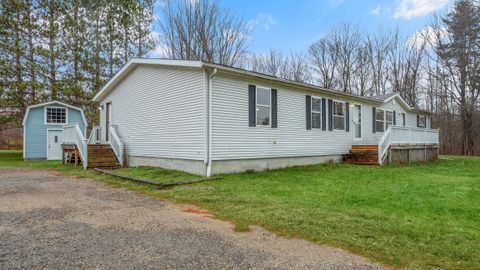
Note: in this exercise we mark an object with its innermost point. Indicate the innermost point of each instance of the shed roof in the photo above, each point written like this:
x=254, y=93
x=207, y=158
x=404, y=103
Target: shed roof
x=49, y=103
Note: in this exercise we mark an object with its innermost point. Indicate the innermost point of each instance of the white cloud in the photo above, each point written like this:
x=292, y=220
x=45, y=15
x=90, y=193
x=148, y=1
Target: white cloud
x=379, y=10
x=425, y=35
x=409, y=9
x=161, y=50
x=376, y=11
x=266, y=21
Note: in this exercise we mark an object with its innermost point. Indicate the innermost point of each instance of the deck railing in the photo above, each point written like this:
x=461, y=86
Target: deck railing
x=116, y=143
x=405, y=135
x=73, y=135
x=94, y=136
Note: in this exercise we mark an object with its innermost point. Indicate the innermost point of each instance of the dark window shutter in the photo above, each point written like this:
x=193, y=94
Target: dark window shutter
x=394, y=118
x=308, y=110
x=347, y=116
x=374, y=116
x=324, y=114
x=418, y=120
x=330, y=115
x=274, y=108
x=252, y=122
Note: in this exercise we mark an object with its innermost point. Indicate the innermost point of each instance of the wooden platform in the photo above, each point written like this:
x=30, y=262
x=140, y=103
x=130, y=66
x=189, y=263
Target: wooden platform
x=101, y=156
x=363, y=155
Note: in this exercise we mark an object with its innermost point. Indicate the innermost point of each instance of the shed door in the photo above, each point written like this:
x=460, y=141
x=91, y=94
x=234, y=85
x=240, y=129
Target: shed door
x=54, y=147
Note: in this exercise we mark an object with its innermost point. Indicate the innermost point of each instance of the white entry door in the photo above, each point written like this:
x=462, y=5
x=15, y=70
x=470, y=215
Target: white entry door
x=54, y=147
x=357, y=122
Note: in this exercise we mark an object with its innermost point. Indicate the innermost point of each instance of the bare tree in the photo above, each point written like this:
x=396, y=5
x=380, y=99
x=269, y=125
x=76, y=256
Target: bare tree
x=324, y=55
x=201, y=30
x=405, y=61
x=455, y=39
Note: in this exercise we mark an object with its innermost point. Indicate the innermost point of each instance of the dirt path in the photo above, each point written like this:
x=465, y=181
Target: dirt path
x=58, y=222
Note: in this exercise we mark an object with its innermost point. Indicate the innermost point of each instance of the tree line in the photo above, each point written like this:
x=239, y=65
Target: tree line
x=437, y=69
x=67, y=50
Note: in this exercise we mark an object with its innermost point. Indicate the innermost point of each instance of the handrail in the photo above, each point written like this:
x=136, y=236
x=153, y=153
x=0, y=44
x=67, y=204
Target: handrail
x=94, y=135
x=383, y=145
x=116, y=143
x=73, y=135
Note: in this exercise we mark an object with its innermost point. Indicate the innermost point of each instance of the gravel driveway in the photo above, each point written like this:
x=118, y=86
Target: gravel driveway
x=52, y=221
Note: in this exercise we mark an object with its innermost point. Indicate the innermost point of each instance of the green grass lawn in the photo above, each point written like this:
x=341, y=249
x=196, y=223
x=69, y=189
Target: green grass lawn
x=419, y=216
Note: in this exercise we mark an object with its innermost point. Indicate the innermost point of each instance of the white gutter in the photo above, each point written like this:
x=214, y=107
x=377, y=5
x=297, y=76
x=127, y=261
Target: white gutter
x=209, y=162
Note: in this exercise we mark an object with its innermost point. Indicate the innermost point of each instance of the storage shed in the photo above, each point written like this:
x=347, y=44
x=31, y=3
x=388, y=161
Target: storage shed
x=43, y=127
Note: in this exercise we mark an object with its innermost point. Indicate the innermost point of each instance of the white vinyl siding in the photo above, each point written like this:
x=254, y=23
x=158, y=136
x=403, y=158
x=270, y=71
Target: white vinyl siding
x=233, y=139
x=160, y=112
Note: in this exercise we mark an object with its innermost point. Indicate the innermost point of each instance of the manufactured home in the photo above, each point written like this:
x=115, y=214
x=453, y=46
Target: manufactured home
x=208, y=119
x=43, y=128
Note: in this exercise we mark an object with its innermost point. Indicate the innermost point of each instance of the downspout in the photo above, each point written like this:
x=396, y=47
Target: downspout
x=209, y=100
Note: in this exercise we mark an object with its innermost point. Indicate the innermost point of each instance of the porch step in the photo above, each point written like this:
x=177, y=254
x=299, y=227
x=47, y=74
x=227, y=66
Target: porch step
x=363, y=155
x=365, y=147
x=101, y=156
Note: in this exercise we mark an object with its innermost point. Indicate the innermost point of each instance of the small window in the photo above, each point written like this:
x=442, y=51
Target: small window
x=338, y=115
x=56, y=115
x=56, y=139
x=316, y=112
x=380, y=120
x=422, y=121
x=388, y=119
x=263, y=106
x=401, y=118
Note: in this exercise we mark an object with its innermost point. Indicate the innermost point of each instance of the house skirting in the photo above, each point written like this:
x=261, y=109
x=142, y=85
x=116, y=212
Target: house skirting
x=412, y=153
x=230, y=166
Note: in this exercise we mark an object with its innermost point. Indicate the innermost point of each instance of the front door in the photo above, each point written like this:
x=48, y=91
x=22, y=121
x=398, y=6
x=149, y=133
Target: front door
x=108, y=117
x=357, y=122
x=54, y=147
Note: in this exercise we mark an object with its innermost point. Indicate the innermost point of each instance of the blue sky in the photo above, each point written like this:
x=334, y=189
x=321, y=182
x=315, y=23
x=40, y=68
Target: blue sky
x=289, y=25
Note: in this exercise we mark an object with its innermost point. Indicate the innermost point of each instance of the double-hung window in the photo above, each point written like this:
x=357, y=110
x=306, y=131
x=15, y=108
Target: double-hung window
x=338, y=115
x=401, y=116
x=380, y=120
x=55, y=115
x=388, y=119
x=422, y=121
x=263, y=106
x=316, y=112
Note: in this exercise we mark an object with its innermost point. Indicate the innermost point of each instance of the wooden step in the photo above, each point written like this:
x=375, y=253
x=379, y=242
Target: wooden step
x=101, y=156
x=365, y=147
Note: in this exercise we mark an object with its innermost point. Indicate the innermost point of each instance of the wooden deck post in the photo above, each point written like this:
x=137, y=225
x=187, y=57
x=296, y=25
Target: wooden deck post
x=76, y=157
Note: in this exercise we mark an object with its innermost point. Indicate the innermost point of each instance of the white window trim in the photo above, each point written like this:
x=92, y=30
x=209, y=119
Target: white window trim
x=55, y=107
x=353, y=117
x=403, y=118
x=422, y=116
x=344, y=114
x=384, y=119
x=312, y=112
x=265, y=106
